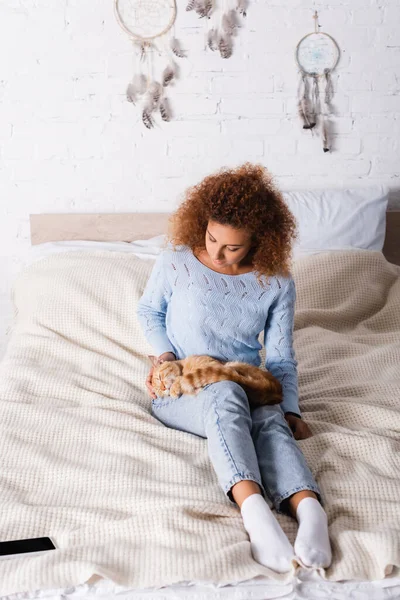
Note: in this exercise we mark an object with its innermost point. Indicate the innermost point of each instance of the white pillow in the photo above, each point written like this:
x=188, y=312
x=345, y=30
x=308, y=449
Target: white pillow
x=346, y=219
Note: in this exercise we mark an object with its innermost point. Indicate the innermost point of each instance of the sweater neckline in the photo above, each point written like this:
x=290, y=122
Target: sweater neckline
x=198, y=262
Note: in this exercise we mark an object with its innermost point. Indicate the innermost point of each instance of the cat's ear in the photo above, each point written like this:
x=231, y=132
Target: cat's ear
x=153, y=359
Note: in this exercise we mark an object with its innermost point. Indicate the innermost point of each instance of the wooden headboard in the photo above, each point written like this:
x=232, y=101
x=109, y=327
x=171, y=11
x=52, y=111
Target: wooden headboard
x=134, y=226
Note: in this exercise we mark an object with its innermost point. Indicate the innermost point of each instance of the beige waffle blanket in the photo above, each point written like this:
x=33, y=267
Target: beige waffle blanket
x=83, y=460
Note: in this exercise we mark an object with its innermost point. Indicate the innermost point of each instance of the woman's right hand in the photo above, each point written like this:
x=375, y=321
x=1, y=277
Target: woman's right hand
x=167, y=356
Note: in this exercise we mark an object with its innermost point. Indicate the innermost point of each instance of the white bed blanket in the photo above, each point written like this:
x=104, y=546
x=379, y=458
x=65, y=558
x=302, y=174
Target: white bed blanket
x=130, y=500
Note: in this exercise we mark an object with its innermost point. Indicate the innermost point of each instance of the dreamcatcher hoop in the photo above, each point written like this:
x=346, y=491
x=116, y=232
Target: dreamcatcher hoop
x=328, y=53
x=140, y=8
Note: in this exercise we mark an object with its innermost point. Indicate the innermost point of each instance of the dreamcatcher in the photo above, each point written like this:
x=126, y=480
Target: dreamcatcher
x=317, y=54
x=150, y=26
x=224, y=21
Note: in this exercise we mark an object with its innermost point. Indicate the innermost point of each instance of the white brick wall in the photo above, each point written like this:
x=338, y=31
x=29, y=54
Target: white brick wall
x=70, y=142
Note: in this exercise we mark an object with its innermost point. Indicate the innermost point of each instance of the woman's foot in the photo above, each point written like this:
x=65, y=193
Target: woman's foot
x=269, y=544
x=312, y=544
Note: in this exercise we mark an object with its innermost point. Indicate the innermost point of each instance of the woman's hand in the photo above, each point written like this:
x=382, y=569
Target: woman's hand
x=167, y=356
x=300, y=429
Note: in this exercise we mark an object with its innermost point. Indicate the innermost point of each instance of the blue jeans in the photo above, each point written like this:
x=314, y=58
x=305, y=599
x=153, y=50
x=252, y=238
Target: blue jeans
x=243, y=443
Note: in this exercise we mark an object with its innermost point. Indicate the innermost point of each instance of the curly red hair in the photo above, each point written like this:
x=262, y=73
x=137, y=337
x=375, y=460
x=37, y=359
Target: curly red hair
x=243, y=198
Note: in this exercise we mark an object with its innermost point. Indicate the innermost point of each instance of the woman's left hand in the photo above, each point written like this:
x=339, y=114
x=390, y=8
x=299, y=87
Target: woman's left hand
x=300, y=429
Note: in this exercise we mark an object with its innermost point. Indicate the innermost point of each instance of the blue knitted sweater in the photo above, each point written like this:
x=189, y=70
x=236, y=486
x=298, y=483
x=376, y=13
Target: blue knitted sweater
x=187, y=308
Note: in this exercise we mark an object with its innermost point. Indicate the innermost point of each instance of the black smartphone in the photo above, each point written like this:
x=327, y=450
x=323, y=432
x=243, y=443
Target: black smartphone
x=31, y=545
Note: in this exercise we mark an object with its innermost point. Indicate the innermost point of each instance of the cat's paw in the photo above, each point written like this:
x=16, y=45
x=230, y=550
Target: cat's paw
x=175, y=390
x=188, y=388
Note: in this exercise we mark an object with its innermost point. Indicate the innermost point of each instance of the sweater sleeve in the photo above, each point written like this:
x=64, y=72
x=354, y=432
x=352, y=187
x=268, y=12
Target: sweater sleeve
x=278, y=339
x=152, y=308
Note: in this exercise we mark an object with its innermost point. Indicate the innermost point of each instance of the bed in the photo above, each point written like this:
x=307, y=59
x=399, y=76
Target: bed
x=134, y=508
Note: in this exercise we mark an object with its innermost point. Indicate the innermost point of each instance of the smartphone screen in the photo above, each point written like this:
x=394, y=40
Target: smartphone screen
x=23, y=546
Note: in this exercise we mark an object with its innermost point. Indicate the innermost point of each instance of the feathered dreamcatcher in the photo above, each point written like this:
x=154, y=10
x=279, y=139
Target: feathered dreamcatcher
x=317, y=54
x=224, y=19
x=150, y=26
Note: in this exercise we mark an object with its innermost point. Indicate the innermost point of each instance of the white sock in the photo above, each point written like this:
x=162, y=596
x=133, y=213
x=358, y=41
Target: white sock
x=312, y=544
x=269, y=544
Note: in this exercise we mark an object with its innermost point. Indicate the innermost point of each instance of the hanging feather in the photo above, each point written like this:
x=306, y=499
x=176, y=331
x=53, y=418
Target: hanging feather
x=176, y=48
x=303, y=111
x=131, y=93
x=168, y=75
x=327, y=110
x=230, y=23
x=151, y=103
x=165, y=110
x=155, y=93
x=212, y=39
x=325, y=135
x=198, y=6
x=305, y=106
x=241, y=7
x=225, y=46
x=147, y=118
x=226, y=14
x=316, y=107
x=315, y=86
x=136, y=88
x=204, y=8
x=328, y=86
x=329, y=91
x=140, y=81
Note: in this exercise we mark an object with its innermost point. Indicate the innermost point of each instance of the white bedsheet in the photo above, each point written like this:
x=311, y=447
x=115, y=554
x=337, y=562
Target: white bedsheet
x=371, y=312
x=144, y=249
x=307, y=586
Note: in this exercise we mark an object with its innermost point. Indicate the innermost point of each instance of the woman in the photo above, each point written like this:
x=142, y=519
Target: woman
x=226, y=281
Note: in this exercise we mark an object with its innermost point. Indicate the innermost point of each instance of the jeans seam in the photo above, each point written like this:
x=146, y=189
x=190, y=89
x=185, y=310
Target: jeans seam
x=225, y=445
x=241, y=474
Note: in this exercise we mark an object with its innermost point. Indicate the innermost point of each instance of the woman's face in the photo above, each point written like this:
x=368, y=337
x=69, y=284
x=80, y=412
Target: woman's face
x=225, y=245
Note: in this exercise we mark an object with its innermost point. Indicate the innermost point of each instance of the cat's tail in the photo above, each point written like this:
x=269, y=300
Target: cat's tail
x=269, y=392
x=262, y=397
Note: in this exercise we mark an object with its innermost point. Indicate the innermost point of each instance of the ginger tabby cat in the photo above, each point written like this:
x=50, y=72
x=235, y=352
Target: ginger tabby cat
x=190, y=375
